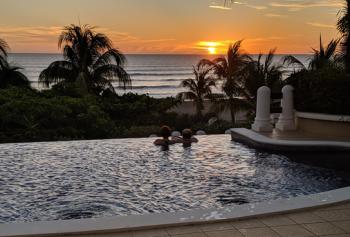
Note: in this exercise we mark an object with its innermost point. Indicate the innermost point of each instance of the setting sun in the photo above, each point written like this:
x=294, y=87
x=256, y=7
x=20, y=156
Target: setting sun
x=212, y=47
x=212, y=50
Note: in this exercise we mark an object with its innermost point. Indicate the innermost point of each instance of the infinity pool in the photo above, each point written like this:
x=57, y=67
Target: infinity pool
x=82, y=179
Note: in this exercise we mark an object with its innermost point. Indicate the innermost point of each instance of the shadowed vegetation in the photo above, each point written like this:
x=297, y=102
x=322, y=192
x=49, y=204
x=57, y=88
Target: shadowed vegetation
x=322, y=58
x=229, y=69
x=91, y=63
x=261, y=72
x=242, y=76
x=343, y=26
x=199, y=88
x=3, y=49
x=323, y=86
x=10, y=75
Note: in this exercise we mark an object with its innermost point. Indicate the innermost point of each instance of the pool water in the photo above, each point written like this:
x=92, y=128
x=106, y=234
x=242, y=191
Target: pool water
x=99, y=178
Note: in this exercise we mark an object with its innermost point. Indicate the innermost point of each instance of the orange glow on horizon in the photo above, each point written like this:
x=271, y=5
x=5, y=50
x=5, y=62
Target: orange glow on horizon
x=212, y=47
x=172, y=27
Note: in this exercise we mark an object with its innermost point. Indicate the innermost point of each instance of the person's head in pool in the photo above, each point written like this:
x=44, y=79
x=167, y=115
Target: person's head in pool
x=165, y=133
x=187, y=133
x=187, y=138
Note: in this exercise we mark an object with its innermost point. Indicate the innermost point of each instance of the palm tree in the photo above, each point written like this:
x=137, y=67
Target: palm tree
x=3, y=47
x=3, y=51
x=322, y=58
x=258, y=73
x=230, y=100
x=9, y=74
x=90, y=61
x=343, y=26
x=200, y=87
x=228, y=68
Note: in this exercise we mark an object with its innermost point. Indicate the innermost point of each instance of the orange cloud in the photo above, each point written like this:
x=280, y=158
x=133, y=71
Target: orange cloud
x=296, y=6
x=316, y=24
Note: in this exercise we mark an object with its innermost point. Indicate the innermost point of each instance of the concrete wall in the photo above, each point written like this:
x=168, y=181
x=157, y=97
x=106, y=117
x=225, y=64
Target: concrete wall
x=330, y=125
x=188, y=107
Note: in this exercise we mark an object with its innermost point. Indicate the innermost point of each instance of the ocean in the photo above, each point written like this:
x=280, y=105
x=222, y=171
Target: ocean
x=156, y=75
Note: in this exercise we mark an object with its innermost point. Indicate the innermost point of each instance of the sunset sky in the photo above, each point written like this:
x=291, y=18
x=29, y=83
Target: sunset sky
x=173, y=26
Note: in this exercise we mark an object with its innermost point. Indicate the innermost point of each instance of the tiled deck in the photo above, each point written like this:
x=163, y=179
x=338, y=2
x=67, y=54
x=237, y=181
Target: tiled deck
x=333, y=221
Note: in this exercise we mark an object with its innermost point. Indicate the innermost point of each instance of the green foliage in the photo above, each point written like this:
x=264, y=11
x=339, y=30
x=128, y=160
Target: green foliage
x=322, y=91
x=29, y=115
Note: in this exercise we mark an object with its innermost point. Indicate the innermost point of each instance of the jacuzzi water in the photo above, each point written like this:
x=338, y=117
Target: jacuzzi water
x=82, y=179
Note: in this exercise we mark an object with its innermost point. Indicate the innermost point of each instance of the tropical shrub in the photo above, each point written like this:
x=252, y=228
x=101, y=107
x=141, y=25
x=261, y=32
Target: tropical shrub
x=321, y=91
x=27, y=115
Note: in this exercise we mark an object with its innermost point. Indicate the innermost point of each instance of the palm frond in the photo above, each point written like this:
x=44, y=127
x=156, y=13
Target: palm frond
x=292, y=60
x=58, y=71
x=112, y=72
x=4, y=47
x=324, y=57
x=188, y=95
x=110, y=56
x=343, y=24
x=331, y=48
x=12, y=76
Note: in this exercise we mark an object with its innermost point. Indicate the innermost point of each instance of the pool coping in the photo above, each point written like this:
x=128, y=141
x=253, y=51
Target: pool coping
x=252, y=138
x=150, y=221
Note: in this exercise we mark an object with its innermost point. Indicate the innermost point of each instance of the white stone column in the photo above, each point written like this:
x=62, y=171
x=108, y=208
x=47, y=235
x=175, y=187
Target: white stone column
x=262, y=121
x=286, y=121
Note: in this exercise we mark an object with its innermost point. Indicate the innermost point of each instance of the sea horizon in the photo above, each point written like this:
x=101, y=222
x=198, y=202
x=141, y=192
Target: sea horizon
x=158, y=75
x=170, y=54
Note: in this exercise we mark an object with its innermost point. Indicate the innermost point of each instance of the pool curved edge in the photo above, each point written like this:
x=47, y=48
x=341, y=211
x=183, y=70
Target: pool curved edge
x=259, y=141
x=139, y=222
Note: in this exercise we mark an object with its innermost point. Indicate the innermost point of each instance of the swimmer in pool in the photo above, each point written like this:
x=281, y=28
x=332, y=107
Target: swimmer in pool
x=165, y=132
x=187, y=138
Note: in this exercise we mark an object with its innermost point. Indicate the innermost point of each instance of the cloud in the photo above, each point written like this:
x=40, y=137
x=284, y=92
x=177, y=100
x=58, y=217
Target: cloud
x=256, y=7
x=270, y=38
x=220, y=7
x=228, y=5
x=44, y=39
x=275, y=15
x=297, y=5
x=316, y=24
x=28, y=34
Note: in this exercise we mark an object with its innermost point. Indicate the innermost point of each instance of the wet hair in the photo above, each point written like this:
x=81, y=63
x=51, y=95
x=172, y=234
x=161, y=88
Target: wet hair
x=165, y=131
x=187, y=133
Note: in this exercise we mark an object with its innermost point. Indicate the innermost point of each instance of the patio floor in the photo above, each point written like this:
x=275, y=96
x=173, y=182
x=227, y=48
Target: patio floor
x=333, y=221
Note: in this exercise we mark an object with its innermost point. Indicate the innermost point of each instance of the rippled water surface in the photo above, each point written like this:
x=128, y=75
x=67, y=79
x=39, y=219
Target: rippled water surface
x=80, y=179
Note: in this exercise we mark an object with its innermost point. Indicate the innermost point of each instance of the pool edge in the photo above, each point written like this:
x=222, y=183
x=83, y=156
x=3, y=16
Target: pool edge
x=149, y=221
x=258, y=141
